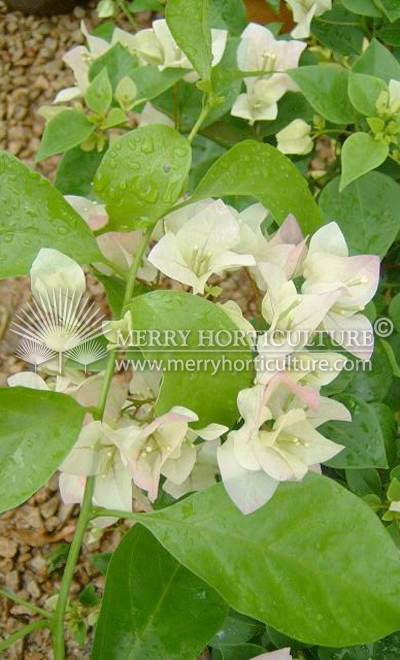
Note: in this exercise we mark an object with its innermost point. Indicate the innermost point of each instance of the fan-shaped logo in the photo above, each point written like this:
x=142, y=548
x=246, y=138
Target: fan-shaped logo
x=60, y=325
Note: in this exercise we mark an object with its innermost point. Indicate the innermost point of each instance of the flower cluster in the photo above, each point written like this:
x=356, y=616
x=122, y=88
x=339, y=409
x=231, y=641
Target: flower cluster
x=304, y=289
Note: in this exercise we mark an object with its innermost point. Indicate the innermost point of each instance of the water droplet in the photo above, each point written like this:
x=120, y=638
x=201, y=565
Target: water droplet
x=147, y=146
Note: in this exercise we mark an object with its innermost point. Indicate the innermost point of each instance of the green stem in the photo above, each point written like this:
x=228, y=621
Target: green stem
x=83, y=521
x=122, y=5
x=130, y=284
x=199, y=122
x=73, y=555
x=23, y=632
x=29, y=606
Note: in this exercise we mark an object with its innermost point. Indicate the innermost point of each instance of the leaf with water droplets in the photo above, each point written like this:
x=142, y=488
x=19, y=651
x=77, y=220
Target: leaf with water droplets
x=362, y=437
x=189, y=23
x=314, y=542
x=33, y=215
x=367, y=212
x=37, y=430
x=142, y=175
x=260, y=170
x=325, y=88
x=153, y=607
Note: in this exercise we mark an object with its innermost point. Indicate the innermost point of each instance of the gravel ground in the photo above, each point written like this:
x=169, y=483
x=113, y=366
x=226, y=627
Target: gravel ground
x=31, y=537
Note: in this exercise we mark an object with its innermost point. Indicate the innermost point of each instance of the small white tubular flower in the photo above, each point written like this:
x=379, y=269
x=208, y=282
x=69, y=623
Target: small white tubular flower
x=286, y=248
x=157, y=46
x=150, y=115
x=54, y=271
x=327, y=268
x=95, y=454
x=202, y=475
x=282, y=450
x=146, y=449
x=260, y=51
x=204, y=245
x=295, y=138
x=303, y=13
x=179, y=466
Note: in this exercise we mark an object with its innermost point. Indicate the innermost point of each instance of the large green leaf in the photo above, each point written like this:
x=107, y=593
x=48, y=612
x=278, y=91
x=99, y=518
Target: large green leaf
x=66, y=130
x=325, y=88
x=150, y=82
x=378, y=61
x=364, y=91
x=37, y=430
x=306, y=563
x=33, y=214
x=362, y=437
x=367, y=212
x=260, y=170
x=142, y=175
x=153, y=607
x=189, y=23
x=360, y=154
x=212, y=397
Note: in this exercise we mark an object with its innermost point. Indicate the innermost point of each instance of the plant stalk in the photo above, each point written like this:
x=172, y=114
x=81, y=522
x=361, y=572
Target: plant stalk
x=23, y=632
x=130, y=284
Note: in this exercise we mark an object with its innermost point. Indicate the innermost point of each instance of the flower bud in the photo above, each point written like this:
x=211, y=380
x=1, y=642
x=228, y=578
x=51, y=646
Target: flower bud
x=295, y=138
x=54, y=271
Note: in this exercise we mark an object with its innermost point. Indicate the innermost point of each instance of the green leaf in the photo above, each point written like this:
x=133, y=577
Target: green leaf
x=360, y=154
x=76, y=172
x=367, y=212
x=229, y=15
x=236, y=629
x=115, y=290
x=378, y=61
x=364, y=482
x=394, y=311
x=151, y=82
x=362, y=437
x=153, y=607
x=388, y=424
x=362, y=7
x=373, y=382
x=260, y=170
x=391, y=8
x=101, y=561
x=390, y=34
x=33, y=214
x=278, y=567
x=325, y=88
x=142, y=175
x=118, y=61
x=66, y=130
x=212, y=397
x=189, y=23
x=364, y=91
x=99, y=94
x=338, y=31
x=37, y=430
x=145, y=5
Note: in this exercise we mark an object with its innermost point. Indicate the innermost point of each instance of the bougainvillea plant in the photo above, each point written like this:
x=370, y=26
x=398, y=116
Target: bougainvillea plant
x=253, y=449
